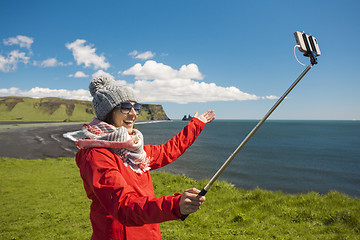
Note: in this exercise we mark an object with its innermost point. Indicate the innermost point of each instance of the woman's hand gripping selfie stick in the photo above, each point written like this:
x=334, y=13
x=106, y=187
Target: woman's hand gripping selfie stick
x=312, y=56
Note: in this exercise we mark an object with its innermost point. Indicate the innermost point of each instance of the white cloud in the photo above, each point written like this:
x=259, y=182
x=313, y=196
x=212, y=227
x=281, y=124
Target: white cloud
x=145, y=55
x=51, y=62
x=133, y=53
x=186, y=90
x=85, y=54
x=154, y=70
x=157, y=82
x=102, y=73
x=117, y=82
x=154, y=82
x=190, y=71
x=37, y=92
x=78, y=74
x=142, y=56
x=22, y=41
x=271, y=97
x=9, y=91
x=10, y=62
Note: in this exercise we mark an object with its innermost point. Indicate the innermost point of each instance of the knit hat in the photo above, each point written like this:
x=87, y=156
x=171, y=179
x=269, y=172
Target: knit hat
x=107, y=95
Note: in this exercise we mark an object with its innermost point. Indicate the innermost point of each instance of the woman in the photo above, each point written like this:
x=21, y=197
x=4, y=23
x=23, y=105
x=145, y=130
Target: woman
x=115, y=167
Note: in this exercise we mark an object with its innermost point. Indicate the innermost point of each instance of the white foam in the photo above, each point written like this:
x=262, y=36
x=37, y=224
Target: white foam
x=40, y=139
x=55, y=138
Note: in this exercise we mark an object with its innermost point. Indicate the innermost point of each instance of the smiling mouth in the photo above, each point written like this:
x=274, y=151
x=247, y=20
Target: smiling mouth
x=129, y=123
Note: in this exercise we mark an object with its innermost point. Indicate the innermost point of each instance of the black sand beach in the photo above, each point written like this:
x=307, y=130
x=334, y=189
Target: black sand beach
x=38, y=141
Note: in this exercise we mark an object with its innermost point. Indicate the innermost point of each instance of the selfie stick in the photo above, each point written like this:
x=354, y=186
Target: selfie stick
x=313, y=60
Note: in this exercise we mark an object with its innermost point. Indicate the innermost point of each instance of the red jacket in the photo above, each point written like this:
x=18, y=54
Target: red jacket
x=123, y=202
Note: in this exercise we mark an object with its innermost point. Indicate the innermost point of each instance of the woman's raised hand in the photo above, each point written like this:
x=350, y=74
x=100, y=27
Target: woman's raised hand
x=206, y=117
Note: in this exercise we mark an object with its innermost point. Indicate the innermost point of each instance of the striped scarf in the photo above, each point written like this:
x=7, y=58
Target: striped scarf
x=129, y=148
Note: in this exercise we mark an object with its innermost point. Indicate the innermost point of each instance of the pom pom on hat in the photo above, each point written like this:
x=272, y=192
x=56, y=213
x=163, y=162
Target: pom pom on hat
x=107, y=95
x=99, y=83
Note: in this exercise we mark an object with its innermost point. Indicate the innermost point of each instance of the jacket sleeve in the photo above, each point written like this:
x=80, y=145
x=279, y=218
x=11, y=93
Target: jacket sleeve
x=166, y=153
x=101, y=174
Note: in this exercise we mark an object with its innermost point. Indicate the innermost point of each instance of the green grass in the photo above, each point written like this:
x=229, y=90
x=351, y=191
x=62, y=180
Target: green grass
x=44, y=199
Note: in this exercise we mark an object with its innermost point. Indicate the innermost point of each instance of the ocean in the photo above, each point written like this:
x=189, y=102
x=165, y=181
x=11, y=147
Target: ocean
x=288, y=156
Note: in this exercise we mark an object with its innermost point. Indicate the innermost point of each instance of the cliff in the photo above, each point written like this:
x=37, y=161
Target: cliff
x=59, y=109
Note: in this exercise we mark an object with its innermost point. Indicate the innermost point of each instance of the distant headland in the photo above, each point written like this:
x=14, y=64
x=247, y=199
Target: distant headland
x=62, y=110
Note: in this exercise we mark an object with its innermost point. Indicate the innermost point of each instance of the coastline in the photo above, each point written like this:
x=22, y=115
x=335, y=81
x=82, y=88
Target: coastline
x=40, y=140
x=37, y=141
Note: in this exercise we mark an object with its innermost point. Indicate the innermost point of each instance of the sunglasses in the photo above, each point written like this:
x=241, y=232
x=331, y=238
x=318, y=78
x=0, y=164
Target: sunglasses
x=126, y=107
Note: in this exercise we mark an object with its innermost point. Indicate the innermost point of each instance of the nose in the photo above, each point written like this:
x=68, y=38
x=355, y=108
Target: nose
x=132, y=111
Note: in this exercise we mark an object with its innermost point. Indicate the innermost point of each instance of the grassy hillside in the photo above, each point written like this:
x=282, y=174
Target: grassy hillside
x=45, y=199
x=59, y=109
x=152, y=112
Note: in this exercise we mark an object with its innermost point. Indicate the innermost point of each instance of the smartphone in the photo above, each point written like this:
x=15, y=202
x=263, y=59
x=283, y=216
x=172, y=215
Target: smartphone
x=307, y=43
x=300, y=41
x=314, y=45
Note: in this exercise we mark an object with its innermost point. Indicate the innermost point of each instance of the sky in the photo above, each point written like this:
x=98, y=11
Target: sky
x=235, y=57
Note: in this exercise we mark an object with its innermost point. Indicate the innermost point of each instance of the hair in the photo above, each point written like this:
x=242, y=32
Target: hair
x=109, y=117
